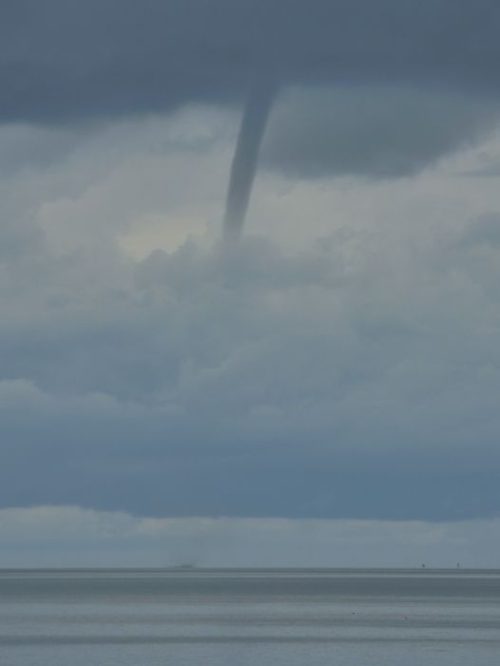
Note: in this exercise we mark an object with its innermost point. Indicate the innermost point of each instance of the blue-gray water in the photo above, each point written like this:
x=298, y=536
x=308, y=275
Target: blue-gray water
x=244, y=617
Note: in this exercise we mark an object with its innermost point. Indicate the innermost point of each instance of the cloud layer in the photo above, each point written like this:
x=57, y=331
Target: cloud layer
x=378, y=131
x=60, y=62
x=341, y=362
x=392, y=86
x=319, y=379
x=72, y=537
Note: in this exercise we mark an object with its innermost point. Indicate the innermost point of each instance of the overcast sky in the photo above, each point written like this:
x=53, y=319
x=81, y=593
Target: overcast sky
x=341, y=363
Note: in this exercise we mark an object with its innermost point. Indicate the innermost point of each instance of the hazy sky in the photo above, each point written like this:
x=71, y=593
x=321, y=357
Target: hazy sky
x=342, y=362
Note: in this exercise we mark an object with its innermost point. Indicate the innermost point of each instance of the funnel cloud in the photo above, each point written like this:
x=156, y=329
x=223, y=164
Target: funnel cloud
x=244, y=166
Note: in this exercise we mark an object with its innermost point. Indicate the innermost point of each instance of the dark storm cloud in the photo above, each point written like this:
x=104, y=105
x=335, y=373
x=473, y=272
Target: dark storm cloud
x=66, y=59
x=378, y=131
x=346, y=381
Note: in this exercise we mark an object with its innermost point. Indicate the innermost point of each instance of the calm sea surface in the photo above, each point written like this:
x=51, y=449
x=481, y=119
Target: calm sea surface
x=242, y=617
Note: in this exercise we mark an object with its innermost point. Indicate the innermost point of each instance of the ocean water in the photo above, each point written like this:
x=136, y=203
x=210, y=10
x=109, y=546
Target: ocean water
x=249, y=617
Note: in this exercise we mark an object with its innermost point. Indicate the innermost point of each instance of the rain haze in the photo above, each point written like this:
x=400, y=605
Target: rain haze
x=249, y=294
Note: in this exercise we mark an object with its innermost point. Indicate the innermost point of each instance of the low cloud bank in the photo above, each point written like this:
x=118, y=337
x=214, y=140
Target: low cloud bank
x=324, y=384
x=70, y=536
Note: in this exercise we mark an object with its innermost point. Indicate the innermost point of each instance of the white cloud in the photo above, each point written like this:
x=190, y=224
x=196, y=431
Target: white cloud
x=70, y=536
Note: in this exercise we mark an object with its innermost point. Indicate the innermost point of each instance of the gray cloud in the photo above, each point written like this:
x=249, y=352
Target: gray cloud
x=73, y=59
x=77, y=62
x=377, y=131
x=70, y=536
x=293, y=385
x=257, y=382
